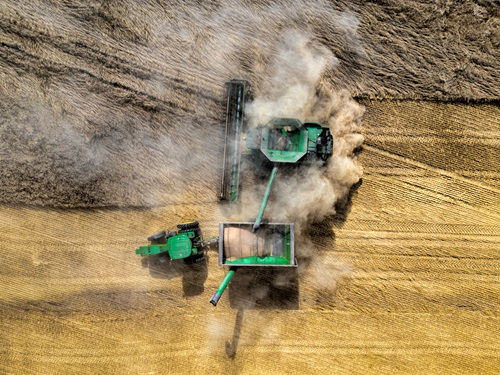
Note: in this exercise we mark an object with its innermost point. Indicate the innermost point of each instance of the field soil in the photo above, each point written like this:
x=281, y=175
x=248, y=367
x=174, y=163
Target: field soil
x=404, y=278
x=111, y=129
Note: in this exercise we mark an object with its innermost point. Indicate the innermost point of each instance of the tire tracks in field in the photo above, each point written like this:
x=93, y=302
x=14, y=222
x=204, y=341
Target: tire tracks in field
x=492, y=192
x=371, y=147
x=26, y=61
x=62, y=48
x=450, y=136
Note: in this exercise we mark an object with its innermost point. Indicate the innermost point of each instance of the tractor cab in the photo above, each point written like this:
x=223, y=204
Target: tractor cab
x=186, y=243
x=180, y=246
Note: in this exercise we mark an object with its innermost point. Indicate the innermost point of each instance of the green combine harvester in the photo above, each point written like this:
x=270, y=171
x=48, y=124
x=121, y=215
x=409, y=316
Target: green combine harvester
x=283, y=141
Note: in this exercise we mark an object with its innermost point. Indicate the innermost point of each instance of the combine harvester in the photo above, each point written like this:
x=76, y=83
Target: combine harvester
x=283, y=141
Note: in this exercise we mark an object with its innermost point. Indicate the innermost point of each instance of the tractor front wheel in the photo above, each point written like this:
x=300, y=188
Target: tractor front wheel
x=171, y=234
x=157, y=237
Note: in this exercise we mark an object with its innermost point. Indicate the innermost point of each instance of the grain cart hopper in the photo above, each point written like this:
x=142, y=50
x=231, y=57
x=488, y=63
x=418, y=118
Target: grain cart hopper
x=186, y=243
x=280, y=142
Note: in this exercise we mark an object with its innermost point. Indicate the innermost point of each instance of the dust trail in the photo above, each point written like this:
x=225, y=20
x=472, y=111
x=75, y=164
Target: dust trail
x=125, y=101
x=290, y=90
x=295, y=88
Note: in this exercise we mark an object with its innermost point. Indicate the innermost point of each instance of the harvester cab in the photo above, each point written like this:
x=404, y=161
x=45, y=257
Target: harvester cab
x=287, y=140
x=281, y=141
x=186, y=243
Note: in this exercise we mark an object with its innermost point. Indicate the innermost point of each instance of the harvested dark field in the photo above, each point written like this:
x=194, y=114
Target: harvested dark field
x=112, y=105
x=110, y=127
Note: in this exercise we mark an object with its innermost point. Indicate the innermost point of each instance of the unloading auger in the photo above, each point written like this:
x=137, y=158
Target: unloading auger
x=281, y=141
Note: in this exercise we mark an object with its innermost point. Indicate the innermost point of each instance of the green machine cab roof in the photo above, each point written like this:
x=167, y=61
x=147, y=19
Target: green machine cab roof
x=179, y=247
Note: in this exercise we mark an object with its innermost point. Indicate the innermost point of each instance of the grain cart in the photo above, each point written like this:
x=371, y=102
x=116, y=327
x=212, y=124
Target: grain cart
x=283, y=141
x=186, y=243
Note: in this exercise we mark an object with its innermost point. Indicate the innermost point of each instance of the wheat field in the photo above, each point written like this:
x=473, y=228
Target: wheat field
x=109, y=134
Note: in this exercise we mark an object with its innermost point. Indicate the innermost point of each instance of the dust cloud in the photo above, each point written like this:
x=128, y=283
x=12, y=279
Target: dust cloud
x=290, y=90
x=295, y=89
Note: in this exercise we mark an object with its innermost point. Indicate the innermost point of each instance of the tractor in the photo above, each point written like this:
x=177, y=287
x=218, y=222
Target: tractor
x=186, y=244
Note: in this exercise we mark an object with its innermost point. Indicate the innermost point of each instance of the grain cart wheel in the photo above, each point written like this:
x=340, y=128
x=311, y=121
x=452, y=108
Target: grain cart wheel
x=192, y=225
x=157, y=237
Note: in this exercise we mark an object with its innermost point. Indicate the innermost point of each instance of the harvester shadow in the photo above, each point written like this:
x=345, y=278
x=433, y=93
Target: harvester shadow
x=343, y=206
x=193, y=275
x=261, y=288
x=278, y=288
x=232, y=346
x=264, y=288
x=320, y=239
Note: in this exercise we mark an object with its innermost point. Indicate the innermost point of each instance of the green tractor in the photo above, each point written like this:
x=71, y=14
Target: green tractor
x=186, y=243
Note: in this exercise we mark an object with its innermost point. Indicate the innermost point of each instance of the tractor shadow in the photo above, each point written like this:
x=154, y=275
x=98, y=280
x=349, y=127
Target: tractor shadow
x=193, y=275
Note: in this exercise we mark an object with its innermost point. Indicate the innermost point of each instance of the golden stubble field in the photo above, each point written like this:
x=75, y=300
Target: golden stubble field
x=403, y=279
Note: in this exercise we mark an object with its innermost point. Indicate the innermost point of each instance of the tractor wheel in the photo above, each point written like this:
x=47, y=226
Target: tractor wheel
x=192, y=225
x=196, y=231
x=171, y=234
x=195, y=259
x=157, y=236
